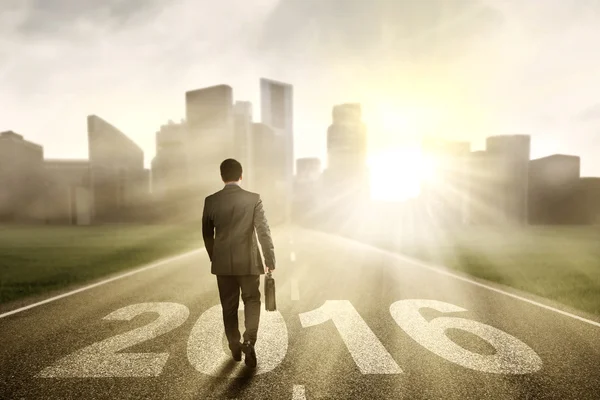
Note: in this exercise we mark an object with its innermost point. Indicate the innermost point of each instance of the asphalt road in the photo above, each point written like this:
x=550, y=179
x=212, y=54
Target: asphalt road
x=353, y=322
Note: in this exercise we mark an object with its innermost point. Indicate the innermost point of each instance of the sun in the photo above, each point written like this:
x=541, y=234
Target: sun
x=397, y=174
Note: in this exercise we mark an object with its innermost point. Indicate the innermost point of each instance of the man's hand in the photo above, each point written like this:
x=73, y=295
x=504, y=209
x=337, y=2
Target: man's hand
x=267, y=270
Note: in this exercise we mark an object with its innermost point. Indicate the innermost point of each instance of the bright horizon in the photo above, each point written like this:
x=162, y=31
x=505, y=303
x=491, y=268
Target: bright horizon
x=460, y=71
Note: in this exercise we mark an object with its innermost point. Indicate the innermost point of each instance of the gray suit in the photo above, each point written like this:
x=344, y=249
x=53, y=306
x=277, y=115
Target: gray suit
x=235, y=214
x=230, y=218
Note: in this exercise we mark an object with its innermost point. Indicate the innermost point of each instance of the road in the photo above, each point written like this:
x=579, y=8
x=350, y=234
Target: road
x=353, y=322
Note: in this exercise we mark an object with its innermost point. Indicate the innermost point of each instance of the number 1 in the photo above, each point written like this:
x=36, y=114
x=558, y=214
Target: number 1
x=367, y=351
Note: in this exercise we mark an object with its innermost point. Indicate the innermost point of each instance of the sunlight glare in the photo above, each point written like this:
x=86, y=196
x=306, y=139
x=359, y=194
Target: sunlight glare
x=397, y=174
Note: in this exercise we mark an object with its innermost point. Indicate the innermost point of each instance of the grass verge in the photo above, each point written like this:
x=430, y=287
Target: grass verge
x=39, y=259
x=558, y=263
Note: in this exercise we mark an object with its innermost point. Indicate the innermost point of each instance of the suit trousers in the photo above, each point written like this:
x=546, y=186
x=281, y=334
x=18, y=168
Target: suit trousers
x=229, y=292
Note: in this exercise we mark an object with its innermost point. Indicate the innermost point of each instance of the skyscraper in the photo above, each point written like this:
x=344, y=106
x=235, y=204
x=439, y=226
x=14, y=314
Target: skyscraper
x=170, y=172
x=21, y=178
x=512, y=153
x=268, y=175
x=553, y=184
x=68, y=195
x=210, y=126
x=277, y=112
x=117, y=171
x=307, y=190
x=242, y=111
x=347, y=149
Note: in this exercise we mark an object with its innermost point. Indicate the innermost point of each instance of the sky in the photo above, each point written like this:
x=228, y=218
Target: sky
x=456, y=69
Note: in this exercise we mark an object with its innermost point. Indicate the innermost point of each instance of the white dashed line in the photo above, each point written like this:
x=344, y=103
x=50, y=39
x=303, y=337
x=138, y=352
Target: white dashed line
x=295, y=289
x=298, y=393
x=159, y=263
x=293, y=256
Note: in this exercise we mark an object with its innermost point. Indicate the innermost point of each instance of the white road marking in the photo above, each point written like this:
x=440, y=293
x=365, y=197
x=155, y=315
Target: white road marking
x=205, y=350
x=103, y=360
x=298, y=393
x=511, y=355
x=366, y=349
x=156, y=264
x=293, y=256
x=441, y=270
x=295, y=289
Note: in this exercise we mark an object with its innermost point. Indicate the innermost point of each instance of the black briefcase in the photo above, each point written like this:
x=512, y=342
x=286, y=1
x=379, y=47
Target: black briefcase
x=270, y=303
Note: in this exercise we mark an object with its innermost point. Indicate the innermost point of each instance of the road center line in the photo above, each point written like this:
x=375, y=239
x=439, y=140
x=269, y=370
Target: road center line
x=293, y=256
x=155, y=264
x=298, y=393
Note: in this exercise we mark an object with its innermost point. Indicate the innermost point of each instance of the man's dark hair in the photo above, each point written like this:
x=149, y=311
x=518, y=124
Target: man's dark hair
x=231, y=170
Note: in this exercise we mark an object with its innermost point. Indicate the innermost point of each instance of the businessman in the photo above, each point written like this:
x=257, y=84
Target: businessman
x=229, y=220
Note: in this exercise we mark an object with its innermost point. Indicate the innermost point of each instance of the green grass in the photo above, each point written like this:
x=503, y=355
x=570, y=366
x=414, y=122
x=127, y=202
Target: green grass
x=35, y=260
x=558, y=263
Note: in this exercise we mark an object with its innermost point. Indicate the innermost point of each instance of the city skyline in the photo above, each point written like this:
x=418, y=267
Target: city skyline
x=534, y=75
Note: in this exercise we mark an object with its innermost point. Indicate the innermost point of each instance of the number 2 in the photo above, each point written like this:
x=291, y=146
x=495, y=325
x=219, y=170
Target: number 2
x=101, y=360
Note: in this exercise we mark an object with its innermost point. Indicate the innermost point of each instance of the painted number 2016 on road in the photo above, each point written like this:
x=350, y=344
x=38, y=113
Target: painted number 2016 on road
x=206, y=354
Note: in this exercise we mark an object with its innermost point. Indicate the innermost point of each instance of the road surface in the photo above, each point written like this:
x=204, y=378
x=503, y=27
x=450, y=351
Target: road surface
x=353, y=322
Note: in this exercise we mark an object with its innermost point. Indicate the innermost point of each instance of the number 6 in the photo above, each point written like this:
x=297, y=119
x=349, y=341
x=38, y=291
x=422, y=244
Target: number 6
x=512, y=356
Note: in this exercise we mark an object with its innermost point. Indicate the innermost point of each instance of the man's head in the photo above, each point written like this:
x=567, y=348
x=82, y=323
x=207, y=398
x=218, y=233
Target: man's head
x=231, y=170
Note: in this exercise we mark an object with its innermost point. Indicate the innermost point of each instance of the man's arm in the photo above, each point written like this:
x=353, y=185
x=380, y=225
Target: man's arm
x=208, y=230
x=264, y=234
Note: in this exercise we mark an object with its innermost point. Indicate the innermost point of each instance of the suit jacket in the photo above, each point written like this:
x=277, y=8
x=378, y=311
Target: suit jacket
x=229, y=221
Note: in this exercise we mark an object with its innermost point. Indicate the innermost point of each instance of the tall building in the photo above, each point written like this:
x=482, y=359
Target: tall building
x=513, y=153
x=170, y=165
x=308, y=169
x=347, y=141
x=268, y=176
x=446, y=193
x=307, y=189
x=21, y=179
x=68, y=196
x=347, y=151
x=587, y=200
x=210, y=125
x=117, y=172
x=277, y=112
x=242, y=111
x=553, y=183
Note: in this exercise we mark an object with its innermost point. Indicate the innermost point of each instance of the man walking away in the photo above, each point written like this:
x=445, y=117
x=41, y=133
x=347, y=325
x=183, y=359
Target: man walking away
x=229, y=220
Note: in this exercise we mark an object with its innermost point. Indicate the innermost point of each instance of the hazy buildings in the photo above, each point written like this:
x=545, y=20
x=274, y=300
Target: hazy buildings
x=345, y=184
x=587, y=200
x=553, y=183
x=347, y=151
x=347, y=141
x=307, y=189
x=106, y=188
x=512, y=153
x=170, y=164
x=21, y=179
x=268, y=174
x=118, y=179
x=210, y=125
x=244, y=145
x=308, y=169
x=68, y=192
x=277, y=112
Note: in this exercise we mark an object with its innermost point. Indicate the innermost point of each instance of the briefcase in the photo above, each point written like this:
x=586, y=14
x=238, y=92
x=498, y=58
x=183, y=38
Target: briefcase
x=270, y=303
